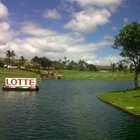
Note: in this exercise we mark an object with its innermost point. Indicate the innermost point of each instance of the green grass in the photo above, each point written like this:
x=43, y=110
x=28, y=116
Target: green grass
x=88, y=75
x=69, y=74
x=128, y=100
x=17, y=73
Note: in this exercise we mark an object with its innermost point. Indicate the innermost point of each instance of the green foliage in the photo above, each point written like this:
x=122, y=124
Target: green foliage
x=128, y=42
x=42, y=61
x=57, y=65
x=1, y=64
x=69, y=67
x=92, y=67
x=22, y=60
x=9, y=54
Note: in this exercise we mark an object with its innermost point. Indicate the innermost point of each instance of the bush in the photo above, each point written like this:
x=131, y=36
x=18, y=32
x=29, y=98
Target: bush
x=1, y=64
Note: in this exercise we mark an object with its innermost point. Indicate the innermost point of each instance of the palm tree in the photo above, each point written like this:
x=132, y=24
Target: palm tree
x=65, y=60
x=60, y=60
x=9, y=55
x=22, y=60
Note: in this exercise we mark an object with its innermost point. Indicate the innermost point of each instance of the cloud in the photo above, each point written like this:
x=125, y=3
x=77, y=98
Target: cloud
x=100, y=3
x=66, y=7
x=114, y=28
x=105, y=60
x=31, y=28
x=6, y=34
x=88, y=20
x=56, y=46
x=3, y=12
x=52, y=14
x=108, y=37
x=22, y=4
x=126, y=20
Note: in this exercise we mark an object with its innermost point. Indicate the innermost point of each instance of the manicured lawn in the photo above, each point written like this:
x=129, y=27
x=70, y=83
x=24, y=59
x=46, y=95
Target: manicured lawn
x=89, y=75
x=69, y=74
x=128, y=100
x=17, y=73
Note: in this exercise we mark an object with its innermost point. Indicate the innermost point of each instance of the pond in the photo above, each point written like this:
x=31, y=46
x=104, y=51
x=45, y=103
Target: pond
x=66, y=110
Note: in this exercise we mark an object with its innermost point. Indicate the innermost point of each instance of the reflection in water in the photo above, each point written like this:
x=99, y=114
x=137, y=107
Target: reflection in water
x=12, y=94
x=66, y=110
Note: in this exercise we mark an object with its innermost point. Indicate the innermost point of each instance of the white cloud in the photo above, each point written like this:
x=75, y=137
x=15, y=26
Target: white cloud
x=31, y=28
x=6, y=34
x=23, y=4
x=52, y=14
x=4, y=26
x=112, y=4
x=3, y=12
x=56, y=46
x=88, y=20
x=66, y=7
x=108, y=37
x=125, y=20
x=105, y=60
x=114, y=28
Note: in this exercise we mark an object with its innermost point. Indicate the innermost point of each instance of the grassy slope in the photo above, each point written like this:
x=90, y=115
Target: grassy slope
x=84, y=75
x=5, y=73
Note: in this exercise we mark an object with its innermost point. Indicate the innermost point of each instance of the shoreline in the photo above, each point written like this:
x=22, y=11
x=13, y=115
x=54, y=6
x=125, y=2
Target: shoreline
x=119, y=107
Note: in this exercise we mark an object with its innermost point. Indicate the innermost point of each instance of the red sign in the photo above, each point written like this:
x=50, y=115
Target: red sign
x=20, y=82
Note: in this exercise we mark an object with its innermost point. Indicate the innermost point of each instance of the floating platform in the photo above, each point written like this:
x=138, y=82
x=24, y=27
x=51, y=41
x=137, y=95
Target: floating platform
x=19, y=89
x=20, y=84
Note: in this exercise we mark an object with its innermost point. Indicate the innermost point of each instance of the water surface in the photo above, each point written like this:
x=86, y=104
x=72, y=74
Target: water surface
x=66, y=110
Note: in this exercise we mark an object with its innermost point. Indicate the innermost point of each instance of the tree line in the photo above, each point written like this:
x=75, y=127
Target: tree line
x=45, y=63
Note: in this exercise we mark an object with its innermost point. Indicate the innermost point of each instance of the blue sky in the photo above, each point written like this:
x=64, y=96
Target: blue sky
x=77, y=29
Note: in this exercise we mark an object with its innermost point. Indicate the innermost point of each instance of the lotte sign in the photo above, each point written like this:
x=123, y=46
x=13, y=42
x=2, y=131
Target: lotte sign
x=28, y=82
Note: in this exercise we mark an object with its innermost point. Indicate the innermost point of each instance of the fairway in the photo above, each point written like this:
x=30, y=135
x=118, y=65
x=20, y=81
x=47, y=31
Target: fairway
x=69, y=74
x=88, y=75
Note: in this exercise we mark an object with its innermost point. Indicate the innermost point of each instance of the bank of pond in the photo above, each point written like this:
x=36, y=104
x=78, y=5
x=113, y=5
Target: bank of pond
x=127, y=100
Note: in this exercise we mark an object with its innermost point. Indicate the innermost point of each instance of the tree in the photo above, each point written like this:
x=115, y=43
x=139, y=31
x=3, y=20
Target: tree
x=57, y=65
x=120, y=66
x=45, y=62
x=1, y=64
x=22, y=60
x=35, y=61
x=82, y=64
x=128, y=42
x=92, y=67
x=9, y=55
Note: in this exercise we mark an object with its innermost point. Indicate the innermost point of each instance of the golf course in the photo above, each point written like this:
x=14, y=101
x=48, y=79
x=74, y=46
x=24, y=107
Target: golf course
x=68, y=74
x=90, y=75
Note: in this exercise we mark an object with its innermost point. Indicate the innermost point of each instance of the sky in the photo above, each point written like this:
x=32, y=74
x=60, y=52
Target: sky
x=77, y=29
